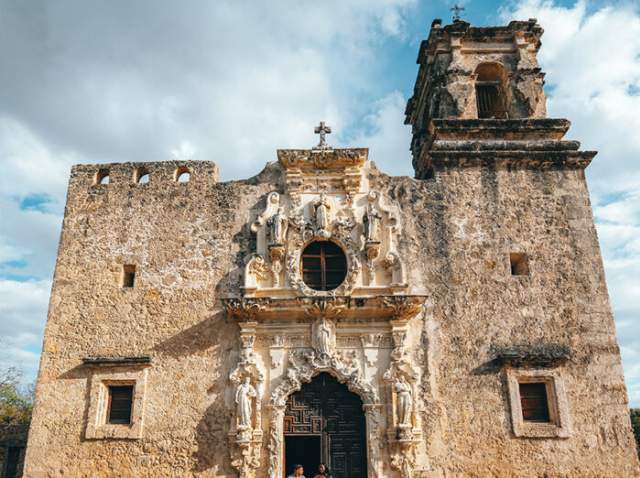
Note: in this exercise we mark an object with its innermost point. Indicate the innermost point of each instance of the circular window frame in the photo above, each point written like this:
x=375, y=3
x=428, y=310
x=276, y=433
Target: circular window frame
x=322, y=288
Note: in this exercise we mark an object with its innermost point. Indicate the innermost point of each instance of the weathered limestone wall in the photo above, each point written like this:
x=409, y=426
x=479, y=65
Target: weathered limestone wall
x=465, y=224
x=186, y=240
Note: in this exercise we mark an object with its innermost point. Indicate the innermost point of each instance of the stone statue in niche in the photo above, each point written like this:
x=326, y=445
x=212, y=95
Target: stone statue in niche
x=278, y=227
x=404, y=400
x=324, y=338
x=371, y=222
x=321, y=213
x=244, y=394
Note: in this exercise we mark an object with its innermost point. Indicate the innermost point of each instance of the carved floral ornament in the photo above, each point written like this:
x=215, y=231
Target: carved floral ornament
x=250, y=309
x=394, y=406
x=364, y=227
x=327, y=197
x=304, y=159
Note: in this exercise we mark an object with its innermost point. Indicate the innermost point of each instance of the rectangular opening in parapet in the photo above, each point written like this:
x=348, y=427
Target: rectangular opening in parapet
x=519, y=264
x=534, y=402
x=128, y=275
x=120, y=404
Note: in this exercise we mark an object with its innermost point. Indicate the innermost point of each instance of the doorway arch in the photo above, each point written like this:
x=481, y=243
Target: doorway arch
x=325, y=422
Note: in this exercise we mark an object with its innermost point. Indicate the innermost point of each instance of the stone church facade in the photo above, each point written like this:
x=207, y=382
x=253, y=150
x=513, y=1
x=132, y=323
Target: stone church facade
x=455, y=324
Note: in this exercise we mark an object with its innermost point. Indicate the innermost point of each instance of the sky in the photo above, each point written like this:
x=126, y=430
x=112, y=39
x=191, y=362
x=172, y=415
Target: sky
x=102, y=81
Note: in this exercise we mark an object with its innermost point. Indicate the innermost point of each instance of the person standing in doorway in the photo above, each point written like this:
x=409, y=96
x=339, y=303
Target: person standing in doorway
x=298, y=472
x=323, y=471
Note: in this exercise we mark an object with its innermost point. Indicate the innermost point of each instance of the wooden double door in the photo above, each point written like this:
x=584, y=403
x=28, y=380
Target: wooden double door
x=324, y=423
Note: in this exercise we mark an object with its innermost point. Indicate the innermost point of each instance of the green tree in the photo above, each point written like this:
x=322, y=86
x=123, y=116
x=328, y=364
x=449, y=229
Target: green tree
x=16, y=403
x=635, y=422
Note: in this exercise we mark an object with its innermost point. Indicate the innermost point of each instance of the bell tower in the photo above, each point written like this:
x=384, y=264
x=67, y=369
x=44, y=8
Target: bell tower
x=479, y=85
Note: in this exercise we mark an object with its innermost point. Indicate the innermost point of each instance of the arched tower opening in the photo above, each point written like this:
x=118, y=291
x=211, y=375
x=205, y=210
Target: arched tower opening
x=490, y=91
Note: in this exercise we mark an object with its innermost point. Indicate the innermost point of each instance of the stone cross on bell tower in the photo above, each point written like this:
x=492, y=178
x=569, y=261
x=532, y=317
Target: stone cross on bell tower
x=322, y=130
x=457, y=10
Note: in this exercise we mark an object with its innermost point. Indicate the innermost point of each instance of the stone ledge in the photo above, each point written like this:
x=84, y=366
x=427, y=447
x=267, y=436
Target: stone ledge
x=504, y=145
x=534, y=356
x=508, y=159
x=116, y=361
x=514, y=129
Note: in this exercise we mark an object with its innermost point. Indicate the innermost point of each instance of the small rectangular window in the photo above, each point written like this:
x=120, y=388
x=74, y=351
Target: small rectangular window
x=120, y=404
x=128, y=275
x=534, y=402
x=519, y=264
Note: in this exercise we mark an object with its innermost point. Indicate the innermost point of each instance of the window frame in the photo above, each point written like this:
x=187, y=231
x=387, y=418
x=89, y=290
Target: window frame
x=559, y=424
x=499, y=110
x=103, y=377
x=545, y=412
x=110, y=391
x=323, y=270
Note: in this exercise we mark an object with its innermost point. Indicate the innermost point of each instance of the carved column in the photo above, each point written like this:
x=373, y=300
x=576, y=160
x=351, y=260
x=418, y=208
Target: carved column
x=276, y=436
x=403, y=435
x=245, y=436
x=373, y=417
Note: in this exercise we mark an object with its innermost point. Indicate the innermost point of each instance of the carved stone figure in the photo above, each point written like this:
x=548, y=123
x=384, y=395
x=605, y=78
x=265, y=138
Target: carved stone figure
x=278, y=227
x=371, y=222
x=244, y=393
x=321, y=213
x=404, y=400
x=324, y=337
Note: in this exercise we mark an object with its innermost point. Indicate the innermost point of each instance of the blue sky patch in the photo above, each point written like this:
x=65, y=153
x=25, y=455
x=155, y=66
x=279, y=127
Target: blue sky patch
x=36, y=202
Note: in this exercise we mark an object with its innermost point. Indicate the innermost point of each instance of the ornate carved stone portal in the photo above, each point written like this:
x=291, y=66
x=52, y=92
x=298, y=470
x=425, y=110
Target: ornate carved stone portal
x=359, y=332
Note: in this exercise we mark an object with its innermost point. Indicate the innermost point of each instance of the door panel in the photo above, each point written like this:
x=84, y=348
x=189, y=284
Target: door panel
x=327, y=408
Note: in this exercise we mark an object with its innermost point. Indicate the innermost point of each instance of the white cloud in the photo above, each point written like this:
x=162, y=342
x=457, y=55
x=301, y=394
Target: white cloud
x=22, y=308
x=386, y=136
x=591, y=56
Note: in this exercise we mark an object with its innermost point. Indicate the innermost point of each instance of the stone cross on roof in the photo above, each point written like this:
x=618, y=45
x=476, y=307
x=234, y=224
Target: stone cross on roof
x=457, y=10
x=322, y=130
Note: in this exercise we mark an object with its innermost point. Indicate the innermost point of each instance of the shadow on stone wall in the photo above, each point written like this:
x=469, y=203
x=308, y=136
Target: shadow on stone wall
x=214, y=335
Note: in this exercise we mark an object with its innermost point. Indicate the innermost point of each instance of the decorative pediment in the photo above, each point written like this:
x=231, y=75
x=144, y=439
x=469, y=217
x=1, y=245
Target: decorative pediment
x=329, y=196
x=312, y=159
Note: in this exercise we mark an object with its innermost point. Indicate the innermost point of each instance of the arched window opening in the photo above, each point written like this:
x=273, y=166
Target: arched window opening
x=141, y=176
x=183, y=175
x=102, y=177
x=324, y=265
x=490, y=91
